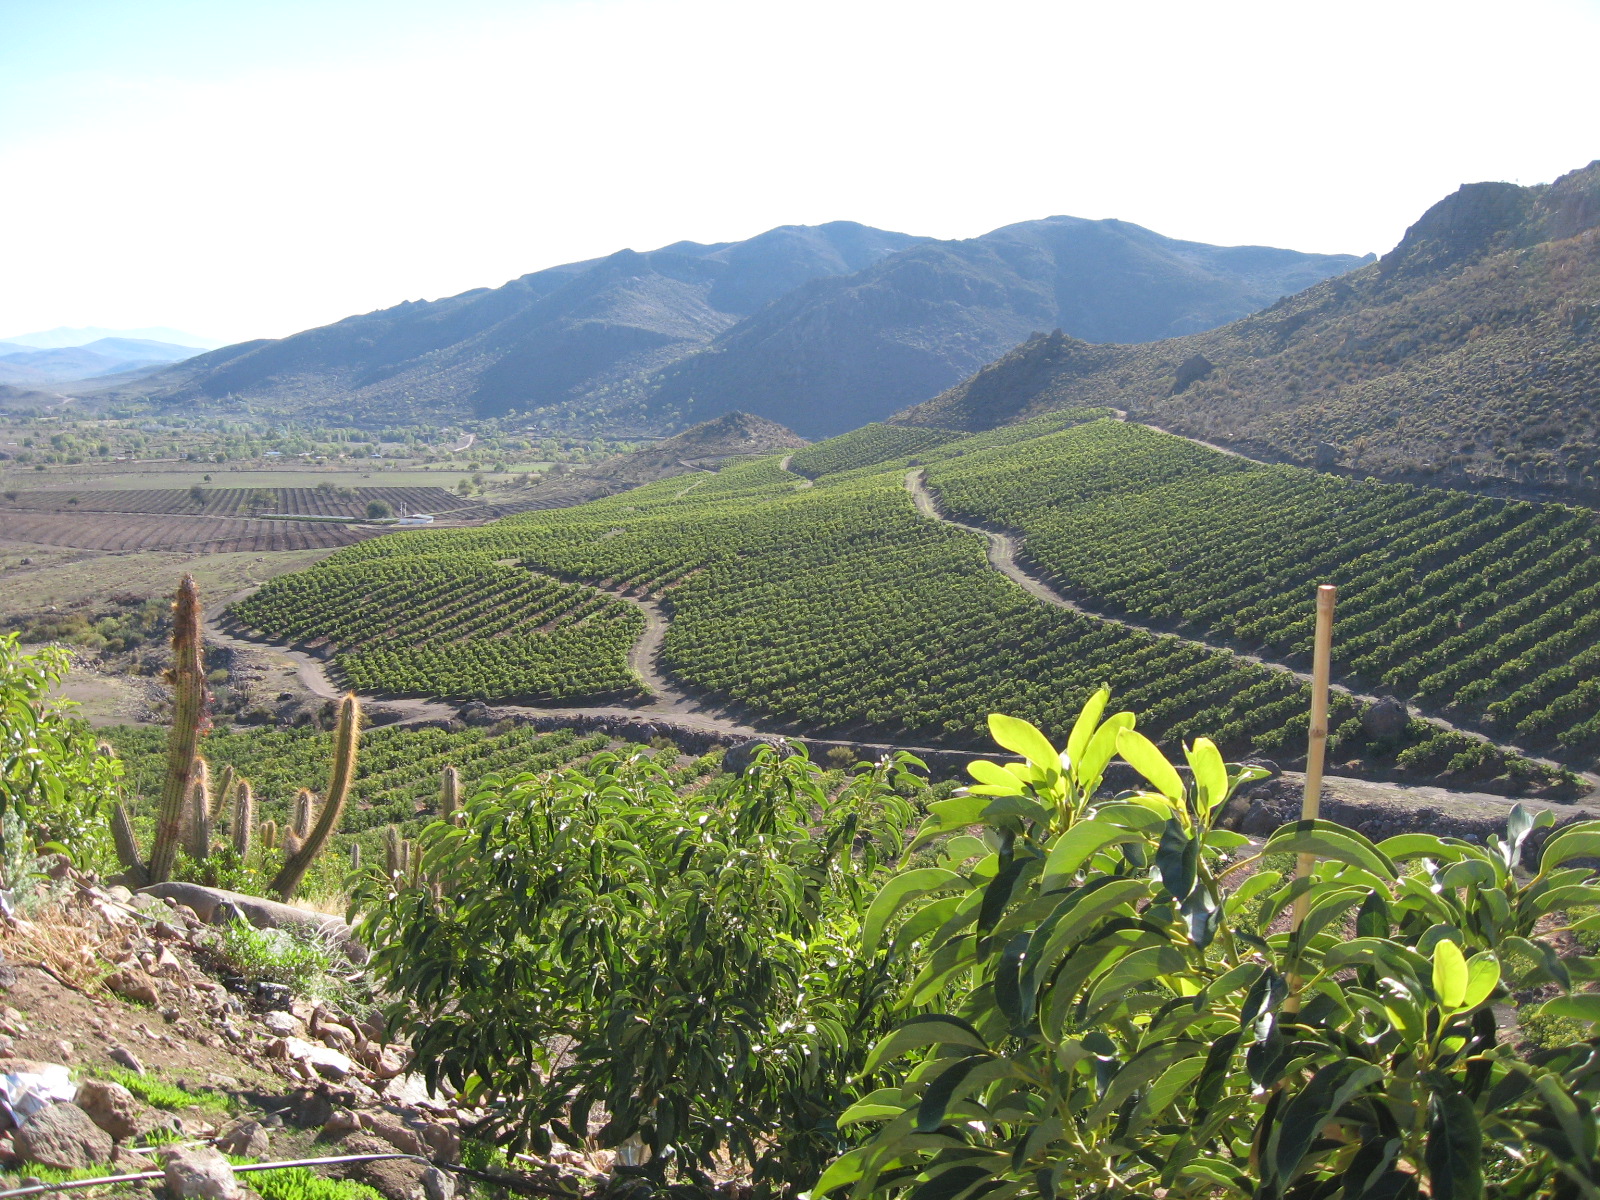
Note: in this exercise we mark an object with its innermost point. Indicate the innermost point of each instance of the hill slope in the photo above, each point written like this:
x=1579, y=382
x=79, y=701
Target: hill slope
x=565, y=341
x=822, y=328
x=847, y=350
x=1470, y=352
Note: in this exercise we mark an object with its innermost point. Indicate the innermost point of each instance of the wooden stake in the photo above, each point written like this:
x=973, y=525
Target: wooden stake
x=1316, y=752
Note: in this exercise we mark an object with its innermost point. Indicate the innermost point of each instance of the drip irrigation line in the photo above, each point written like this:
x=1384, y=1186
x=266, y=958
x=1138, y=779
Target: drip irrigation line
x=39, y=1189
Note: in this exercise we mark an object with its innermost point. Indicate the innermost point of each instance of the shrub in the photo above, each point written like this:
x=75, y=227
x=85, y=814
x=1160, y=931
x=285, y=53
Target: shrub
x=55, y=788
x=1112, y=1017
x=690, y=962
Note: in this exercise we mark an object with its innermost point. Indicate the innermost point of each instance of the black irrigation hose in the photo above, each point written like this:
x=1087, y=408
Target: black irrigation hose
x=38, y=1189
x=74, y=1184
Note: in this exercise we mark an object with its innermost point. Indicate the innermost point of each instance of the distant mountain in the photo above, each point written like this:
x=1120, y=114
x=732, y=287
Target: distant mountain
x=822, y=328
x=841, y=352
x=1471, y=352
x=62, y=337
x=570, y=341
x=106, y=356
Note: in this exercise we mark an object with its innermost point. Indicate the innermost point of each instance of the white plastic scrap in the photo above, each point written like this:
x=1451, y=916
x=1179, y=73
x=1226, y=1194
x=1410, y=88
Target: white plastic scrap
x=23, y=1093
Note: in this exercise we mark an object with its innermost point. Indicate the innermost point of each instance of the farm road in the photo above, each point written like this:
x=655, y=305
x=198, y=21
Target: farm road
x=1002, y=547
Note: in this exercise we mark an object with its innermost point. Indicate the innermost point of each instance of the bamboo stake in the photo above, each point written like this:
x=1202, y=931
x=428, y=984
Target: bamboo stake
x=1316, y=753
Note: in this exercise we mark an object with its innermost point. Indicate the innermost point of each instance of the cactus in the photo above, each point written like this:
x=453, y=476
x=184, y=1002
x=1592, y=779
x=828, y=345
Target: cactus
x=397, y=853
x=355, y=856
x=346, y=738
x=450, y=796
x=197, y=822
x=188, y=680
x=269, y=835
x=299, y=827
x=243, y=818
x=122, y=836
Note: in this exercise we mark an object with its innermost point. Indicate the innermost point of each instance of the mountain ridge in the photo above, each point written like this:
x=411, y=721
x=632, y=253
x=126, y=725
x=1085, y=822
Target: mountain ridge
x=1469, y=354
x=820, y=327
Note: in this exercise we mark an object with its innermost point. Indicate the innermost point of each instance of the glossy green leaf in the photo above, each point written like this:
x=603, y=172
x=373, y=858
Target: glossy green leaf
x=1579, y=1006
x=1077, y=845
x=1209, y=771
x=1324, y=839
x=1575, y=841
x=934, y=1029
x=899, y=891
x=1083, y=728
x=1020, y=737
x=1454, y=1150
x=1143, y=756
x=1450, y=974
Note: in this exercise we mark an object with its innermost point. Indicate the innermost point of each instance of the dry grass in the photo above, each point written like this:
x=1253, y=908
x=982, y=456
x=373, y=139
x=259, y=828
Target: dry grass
x=64, y=938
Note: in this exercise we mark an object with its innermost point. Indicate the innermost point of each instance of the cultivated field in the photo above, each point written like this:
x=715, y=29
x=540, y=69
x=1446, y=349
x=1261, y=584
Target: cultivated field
x=134, y=531
x=321, y=501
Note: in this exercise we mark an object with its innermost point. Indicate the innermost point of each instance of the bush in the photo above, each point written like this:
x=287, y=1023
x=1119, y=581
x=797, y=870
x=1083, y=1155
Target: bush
x=1105, y=1014
x=56, y=789
x=690, y=962
x=377, y=510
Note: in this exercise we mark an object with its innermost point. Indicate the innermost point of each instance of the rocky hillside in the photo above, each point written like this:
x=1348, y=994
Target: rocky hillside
x=567, y=342
x=822, y=328
x=704, y=447
x=1469, y=353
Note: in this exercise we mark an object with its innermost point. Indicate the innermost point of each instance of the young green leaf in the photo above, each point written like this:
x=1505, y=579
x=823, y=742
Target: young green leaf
x=1450, y=975
x=1022, y=738
x=1142, y=755
x=1088, y=720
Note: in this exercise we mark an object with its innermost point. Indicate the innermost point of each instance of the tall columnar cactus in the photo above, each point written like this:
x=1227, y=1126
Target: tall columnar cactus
x=198, y=821
x=346, y=737
x=269, y=835
x=450, y=796
x=188, y=680
x=355, y=856
x=127, y=844
x=243, y=818
x=397, y=853
x=298, y=829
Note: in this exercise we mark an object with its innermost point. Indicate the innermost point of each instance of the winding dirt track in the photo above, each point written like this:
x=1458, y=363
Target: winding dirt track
x=669, y=705
x=1002, y=547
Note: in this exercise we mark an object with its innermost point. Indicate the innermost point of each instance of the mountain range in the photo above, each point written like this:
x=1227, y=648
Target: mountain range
x=1470, y=353
x=23, y=364
x=822, y=328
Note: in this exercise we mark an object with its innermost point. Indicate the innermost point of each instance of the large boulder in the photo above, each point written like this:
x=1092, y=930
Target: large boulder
x=216, y=905
x=200, y=1173
x=1386, y=720
x=62, y=1136
x=112, y=1107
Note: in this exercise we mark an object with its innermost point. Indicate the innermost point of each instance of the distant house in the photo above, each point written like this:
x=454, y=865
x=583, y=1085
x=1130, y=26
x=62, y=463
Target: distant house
x=415, y=519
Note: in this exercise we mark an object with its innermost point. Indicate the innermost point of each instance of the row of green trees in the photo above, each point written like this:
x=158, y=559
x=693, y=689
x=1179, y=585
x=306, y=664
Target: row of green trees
x=1485, y=607
x=1058, y=991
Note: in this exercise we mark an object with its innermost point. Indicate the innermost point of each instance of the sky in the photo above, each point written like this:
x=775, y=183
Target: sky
x=241, y=168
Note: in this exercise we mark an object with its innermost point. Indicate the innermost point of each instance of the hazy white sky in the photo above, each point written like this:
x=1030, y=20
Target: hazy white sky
x=247, y=168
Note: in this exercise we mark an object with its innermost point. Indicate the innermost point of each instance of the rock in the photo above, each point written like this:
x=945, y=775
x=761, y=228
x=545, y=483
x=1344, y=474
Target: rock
x=337, y=1036
x=8, y=977
x=62, y=1136
x=246, y=1139
x=1191, y=370
x=1385, y=721
x=438, y=1185
x=442, y=1138
x=476, y=713
x=200, y=1173
x=133, y=985
x=396, y=1179
x=208, y=903
x=330, y=1064
x=342, y=1122
x=283, y=1024
x=122, y=1056
x=394, y=1131
x=112, y=1107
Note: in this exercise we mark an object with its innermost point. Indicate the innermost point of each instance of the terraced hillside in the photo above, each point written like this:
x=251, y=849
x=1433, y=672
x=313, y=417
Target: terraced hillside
x=461, y=626
x=1481, y=608
x=839, y=607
